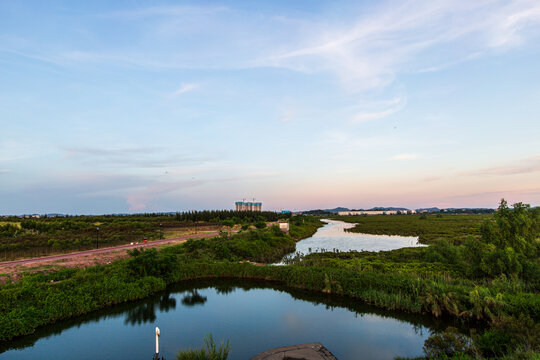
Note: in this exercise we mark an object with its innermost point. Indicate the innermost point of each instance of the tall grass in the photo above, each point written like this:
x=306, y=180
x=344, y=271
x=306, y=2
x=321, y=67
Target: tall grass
x=209, y=352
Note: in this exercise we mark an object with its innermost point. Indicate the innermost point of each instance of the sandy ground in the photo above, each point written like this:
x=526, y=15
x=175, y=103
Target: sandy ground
x=13, y=271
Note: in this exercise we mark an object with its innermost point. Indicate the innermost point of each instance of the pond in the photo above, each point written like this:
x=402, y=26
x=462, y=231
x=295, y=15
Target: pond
x=254, y=316
x=333, y=236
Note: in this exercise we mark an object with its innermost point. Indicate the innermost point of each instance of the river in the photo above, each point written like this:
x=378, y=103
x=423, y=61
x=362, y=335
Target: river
x=333, y=236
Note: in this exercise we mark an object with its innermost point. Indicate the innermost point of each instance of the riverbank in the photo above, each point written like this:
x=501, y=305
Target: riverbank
x=410, y=280
x=40, y=302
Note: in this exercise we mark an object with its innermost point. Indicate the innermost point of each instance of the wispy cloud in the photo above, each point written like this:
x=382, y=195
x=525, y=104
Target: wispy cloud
x=493, y=197
x=523, y=166
x=377, y=45
x=287, y=115
x=15, y=150
x=184, y=88
x=367, y=49
x=94, y=151
x=136, y=157
x=168, y=11
x=139, y=199
x=390, y=107
x=432, y=178
x=4, y=171
x=409, y=156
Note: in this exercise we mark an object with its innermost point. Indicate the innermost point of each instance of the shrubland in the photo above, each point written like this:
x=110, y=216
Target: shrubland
x=429, y=228
x=22, y=237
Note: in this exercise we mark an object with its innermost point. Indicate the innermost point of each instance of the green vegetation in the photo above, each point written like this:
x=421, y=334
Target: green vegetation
x=37, y=237
x=40, y=299
x=239, y=217
x=211, y=352
x=429, y=228
x=490, y=279
x=492, y=276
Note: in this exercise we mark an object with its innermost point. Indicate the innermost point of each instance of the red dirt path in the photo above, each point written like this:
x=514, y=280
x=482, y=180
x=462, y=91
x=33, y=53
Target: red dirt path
x=14, y=270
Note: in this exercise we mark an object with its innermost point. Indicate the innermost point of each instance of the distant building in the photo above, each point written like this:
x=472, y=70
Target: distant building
x=248, y=206
x=284, y=226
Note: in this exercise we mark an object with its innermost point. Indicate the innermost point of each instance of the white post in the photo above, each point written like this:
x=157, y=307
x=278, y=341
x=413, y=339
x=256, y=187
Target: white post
x=157, y=341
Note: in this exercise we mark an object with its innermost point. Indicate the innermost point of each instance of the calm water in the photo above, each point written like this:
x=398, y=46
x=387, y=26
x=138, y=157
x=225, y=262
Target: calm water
x=333, y=236
x=253, y=316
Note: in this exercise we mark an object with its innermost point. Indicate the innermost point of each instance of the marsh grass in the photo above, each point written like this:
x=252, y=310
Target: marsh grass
x=211, y=351
x=429, y=228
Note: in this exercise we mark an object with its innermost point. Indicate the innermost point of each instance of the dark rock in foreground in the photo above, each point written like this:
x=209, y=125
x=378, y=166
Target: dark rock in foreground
x=313, y=351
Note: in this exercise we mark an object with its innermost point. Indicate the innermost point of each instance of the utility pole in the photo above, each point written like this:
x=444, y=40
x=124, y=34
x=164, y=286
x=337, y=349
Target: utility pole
x=97, y=237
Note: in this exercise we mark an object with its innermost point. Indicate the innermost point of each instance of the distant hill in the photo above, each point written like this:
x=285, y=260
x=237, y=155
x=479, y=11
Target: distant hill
x=458, y=210
x=432, y=209
x=336, y=210
x=380, y=208
x=324, y=211
x=388, y=209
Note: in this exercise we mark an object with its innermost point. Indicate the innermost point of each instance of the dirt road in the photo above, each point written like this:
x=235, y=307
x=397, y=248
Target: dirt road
x=15, y=269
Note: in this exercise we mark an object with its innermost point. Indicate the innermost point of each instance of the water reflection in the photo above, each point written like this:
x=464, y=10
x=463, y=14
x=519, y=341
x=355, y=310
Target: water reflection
x=334, y=237
x=225, y=289
x=254, y=315
x=193, y=298
x=146, y=312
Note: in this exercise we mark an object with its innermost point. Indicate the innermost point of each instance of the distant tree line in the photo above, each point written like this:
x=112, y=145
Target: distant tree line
x=217, y=216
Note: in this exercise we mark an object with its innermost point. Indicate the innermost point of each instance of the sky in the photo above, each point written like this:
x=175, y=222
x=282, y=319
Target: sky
x=149, y=106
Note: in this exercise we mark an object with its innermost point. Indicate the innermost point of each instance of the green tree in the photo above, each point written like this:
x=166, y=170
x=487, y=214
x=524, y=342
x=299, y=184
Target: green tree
x=517, y=228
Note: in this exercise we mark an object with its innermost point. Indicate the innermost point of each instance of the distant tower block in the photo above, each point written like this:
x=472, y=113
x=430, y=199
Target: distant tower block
x=247, y=206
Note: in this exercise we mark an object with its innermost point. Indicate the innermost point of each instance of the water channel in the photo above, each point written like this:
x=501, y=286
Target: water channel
x=254, y=316
x=333, y=236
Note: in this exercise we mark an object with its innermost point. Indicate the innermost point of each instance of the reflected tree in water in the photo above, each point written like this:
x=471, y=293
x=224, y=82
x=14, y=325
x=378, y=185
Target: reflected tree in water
x=166, y=303
x=147, y=312
x=224, y=289
x=193, y=298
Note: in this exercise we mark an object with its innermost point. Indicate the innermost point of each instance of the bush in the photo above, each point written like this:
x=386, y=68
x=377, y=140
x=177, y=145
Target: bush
x=229, y=223
x=442, y=251
x=151, y=263
x=448, y=344
x=509, y=335
x=260, y=224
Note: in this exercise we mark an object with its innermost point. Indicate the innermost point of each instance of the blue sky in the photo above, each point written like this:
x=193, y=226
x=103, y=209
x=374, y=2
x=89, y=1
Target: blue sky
x=133, y=106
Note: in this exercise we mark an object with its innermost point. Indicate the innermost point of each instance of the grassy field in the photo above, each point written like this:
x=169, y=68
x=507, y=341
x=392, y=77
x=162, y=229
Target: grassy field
x=429, y=228
x=23, y=238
